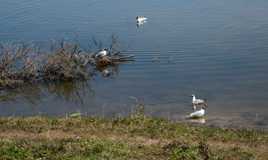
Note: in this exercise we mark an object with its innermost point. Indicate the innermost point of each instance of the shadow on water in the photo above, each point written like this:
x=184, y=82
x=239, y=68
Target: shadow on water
x=69, y=91
x=29, y=93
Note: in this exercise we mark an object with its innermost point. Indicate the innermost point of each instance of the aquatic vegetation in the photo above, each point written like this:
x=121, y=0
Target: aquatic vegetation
x=16, y=67
x=20, y=63
x=65, y=64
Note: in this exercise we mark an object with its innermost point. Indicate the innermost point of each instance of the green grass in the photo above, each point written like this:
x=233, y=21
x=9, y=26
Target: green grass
x=133, y=137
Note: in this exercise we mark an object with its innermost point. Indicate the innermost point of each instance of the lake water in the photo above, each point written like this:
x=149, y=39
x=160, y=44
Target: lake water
x=217, y=50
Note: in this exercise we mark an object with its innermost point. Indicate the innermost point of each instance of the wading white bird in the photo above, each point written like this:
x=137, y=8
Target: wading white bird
x=196, y=101
x=102, y=53
x=141, y=19
x=198, y=114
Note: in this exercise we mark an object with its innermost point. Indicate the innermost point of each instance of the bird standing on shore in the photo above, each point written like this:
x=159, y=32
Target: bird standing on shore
x=194, y=107
x=196, y=101
x=198, y=114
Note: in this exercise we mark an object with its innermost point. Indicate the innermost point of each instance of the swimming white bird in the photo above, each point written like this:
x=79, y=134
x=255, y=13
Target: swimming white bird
x=196, y=101
x=102, y=53
x=141, y=19
x=198, y=114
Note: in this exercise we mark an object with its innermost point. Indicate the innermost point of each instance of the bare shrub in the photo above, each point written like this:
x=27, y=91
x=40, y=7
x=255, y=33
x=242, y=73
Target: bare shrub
x=65, y=64
x=16, y=66
x=21, y=63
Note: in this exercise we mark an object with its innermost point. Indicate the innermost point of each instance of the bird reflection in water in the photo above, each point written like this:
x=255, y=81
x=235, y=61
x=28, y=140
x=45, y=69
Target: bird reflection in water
x=198, y=120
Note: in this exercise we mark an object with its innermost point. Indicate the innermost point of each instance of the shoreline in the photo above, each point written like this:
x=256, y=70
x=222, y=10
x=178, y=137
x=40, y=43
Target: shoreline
x=134, y=137
x=217, y=121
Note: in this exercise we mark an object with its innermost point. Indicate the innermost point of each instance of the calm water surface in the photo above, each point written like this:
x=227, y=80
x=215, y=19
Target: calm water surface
x=215, y=49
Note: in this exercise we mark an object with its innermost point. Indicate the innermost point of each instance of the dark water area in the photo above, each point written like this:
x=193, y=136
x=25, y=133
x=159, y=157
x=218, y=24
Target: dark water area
x=217, y=50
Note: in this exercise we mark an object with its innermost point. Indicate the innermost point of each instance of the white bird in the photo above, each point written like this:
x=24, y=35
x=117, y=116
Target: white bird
x=198, y=114
x=106, y=73
x=102, y=53
x=196, y=101
x=141, y=19
x=194, y=107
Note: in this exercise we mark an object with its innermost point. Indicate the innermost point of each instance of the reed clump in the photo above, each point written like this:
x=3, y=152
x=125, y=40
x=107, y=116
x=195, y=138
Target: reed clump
x=66, y=63
x=16, y=66
x=21, y=63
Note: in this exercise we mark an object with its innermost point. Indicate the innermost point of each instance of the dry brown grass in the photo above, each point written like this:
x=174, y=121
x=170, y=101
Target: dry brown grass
x=16, y=66
x=20, y=63
x=65, y=64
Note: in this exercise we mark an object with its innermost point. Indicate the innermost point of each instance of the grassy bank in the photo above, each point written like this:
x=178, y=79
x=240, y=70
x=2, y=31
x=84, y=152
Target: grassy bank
x=133, y=137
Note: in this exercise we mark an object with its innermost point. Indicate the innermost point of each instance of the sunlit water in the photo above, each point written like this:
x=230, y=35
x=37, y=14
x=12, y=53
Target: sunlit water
x=217, y=50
